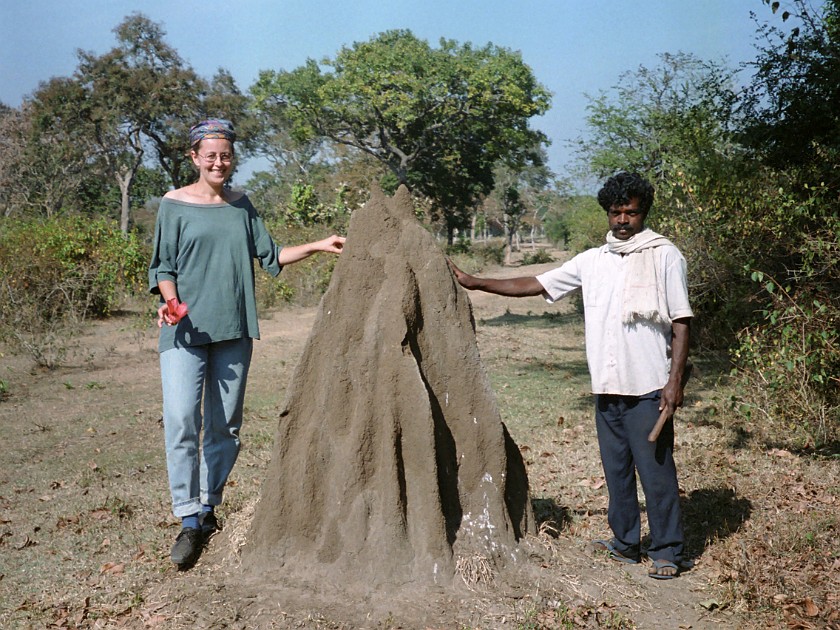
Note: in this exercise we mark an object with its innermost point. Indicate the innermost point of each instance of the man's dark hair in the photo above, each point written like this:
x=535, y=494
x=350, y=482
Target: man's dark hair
x=619, y=189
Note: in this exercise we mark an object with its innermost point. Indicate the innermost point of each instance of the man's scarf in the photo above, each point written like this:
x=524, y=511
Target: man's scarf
x=644, y=288
x=213, y=128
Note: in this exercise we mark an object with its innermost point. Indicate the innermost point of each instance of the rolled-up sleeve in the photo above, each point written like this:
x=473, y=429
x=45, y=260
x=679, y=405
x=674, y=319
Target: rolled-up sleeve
x=163, y=265
x=676, y=285
x=561, y=281
x=265, y=249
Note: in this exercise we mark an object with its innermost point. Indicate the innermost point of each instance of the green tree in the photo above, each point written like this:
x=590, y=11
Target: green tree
x=43, y=157
x=438, y=119
x=514, y=210
x=793, y=102
x=135, y=91
x=290, y=155
x=121, y=112
x=305, y=208
x=521, y=194
x=576, y=222
x=662, y=120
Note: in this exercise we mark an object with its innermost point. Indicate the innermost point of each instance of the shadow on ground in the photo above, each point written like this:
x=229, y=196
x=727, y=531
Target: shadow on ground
x=712, y=514
x=551, y=518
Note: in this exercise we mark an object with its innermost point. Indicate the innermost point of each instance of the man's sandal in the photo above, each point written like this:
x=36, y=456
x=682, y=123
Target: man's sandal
x=658, y=568
x=615, y=554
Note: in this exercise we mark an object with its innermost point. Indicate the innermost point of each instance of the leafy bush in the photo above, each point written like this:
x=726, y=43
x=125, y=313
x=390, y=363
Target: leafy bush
x=461, y=246
x=70, y=266
x=537, y=257
x=490, y=252
x=304, y=282
x=788, y=363
x=60, y=272
x=272, y=292
x=473, y=258
x=763, y=257
x=305, y=209
x=579, y=227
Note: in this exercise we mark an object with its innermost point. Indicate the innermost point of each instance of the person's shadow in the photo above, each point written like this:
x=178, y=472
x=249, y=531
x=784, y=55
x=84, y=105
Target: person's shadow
x=708, y=514
x=712, y=514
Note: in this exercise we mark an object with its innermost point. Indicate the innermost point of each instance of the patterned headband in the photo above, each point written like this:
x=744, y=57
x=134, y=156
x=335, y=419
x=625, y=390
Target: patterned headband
x=212, y=128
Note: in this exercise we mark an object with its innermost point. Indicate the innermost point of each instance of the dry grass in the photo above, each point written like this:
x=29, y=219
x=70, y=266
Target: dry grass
x=475, y=570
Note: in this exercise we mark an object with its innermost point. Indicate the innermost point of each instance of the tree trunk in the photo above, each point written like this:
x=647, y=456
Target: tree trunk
x=508, y=242
x=125, y=174
x=124, y=181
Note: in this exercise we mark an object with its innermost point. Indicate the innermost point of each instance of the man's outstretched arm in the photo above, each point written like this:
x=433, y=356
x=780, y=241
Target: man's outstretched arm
x=526, y=286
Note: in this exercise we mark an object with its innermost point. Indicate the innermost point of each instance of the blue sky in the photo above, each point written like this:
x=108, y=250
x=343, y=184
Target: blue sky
x=575, y=47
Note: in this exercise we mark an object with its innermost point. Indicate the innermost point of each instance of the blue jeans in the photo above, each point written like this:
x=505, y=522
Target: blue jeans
x=623, y=424
x=218, y=372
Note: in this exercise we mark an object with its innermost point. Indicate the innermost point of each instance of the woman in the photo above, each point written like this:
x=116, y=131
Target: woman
x=206, y=240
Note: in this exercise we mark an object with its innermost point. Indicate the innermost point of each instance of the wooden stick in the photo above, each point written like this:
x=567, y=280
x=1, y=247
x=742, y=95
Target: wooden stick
x=663, y=417
x=657, y=428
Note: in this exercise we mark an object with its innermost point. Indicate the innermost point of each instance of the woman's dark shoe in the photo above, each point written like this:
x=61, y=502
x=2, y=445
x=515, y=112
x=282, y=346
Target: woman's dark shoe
x=187, y=547
x=209, y=525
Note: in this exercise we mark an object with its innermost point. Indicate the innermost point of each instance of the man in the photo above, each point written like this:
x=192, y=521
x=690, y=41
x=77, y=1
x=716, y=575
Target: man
x=637, y=319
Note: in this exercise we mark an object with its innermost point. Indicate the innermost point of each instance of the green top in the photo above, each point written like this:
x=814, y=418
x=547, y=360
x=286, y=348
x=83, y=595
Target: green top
x=208, y=251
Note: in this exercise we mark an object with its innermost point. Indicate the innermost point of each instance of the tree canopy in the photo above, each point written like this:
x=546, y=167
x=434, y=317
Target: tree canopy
x=663, y=119
x=793, y=104
x=125, y=110
x=439, y=119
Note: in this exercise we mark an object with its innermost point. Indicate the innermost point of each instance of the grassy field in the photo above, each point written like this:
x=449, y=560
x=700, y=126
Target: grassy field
x=85, y=526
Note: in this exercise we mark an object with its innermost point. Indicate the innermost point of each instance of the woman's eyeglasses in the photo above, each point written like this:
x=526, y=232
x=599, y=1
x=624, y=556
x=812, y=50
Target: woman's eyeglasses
x=211, y=158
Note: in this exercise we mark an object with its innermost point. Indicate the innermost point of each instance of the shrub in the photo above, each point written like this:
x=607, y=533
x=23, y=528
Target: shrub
x=305, y=209
x=304, y=282
x=490, y=252
x=787, y=367
x=537, y=257
x=272, y=292
x=58, y=273
x=473, y=258
x=578, y=228
x=461, y=246
x=764, y=257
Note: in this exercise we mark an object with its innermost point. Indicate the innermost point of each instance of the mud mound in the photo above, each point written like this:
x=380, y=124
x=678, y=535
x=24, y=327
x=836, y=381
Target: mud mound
x=391, y=465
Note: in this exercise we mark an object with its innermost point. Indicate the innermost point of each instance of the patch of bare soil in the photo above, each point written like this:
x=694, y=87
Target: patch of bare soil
x=85, y=525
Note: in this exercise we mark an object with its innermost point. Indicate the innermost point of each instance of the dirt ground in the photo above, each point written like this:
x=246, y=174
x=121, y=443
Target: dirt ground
x=85, y=526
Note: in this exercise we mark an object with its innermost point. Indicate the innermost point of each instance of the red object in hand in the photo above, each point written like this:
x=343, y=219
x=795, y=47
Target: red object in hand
x=177, y=310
